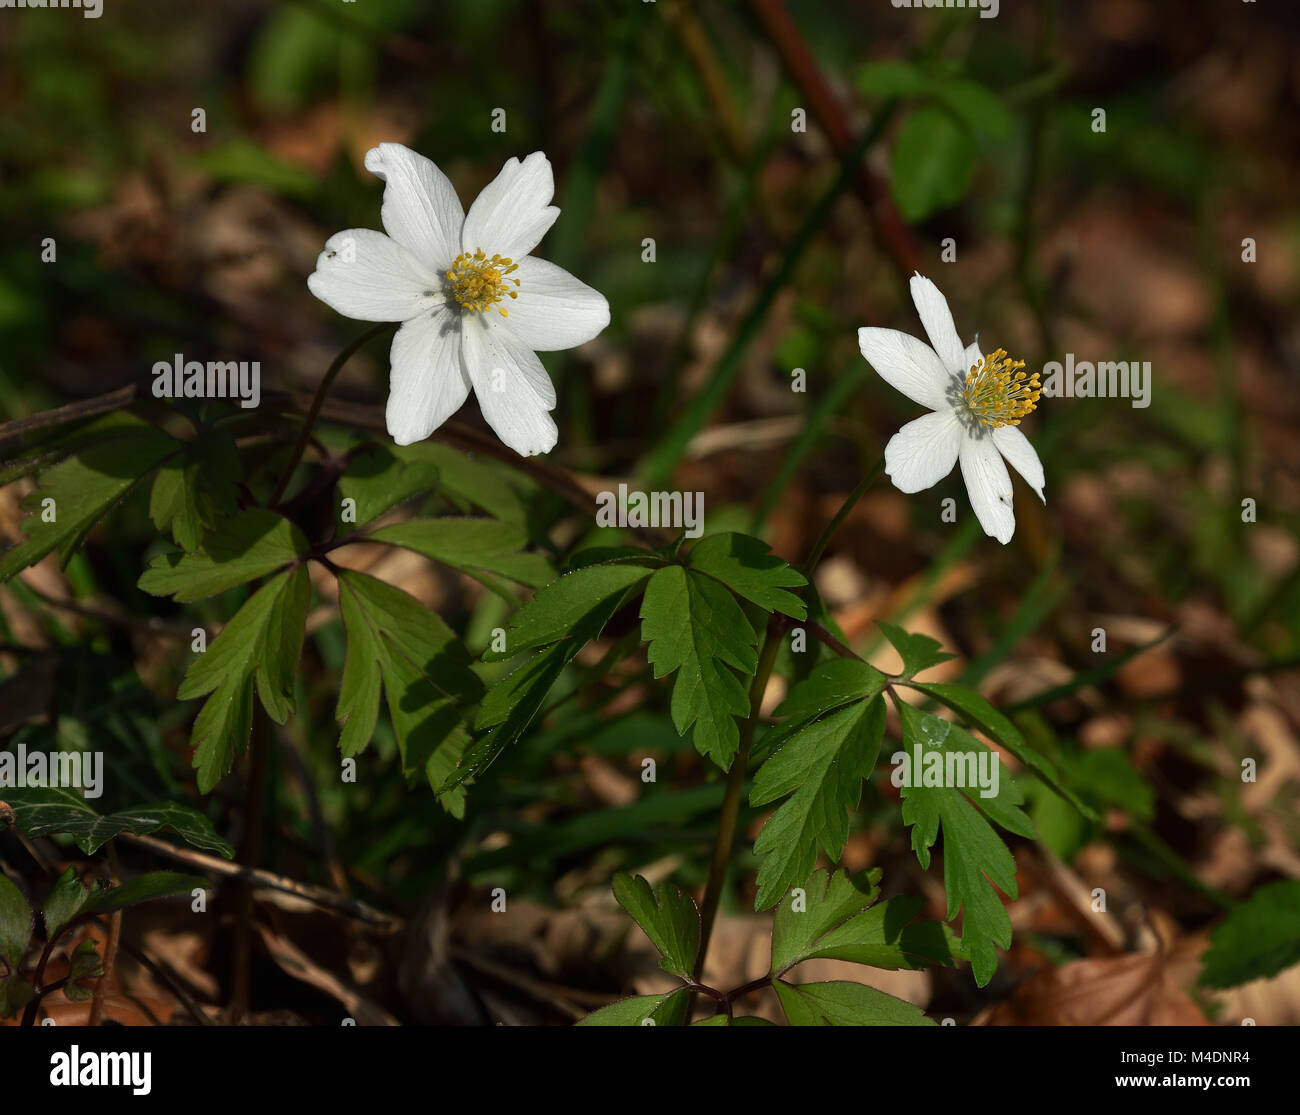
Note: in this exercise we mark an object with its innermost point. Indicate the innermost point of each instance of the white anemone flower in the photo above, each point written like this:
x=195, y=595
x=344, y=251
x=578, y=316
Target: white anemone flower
x=977, y=402
x=475, y=307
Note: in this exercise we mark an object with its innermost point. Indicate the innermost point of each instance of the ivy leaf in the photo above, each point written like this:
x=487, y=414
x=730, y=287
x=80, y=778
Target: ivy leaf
x=83, y=489
x=975, y=859
x=1260, y=938
x=840, y=1003
x=669, y=918
x=668, y=1009
x=473, y=546
x=695, y=627
x=16, y=924
x=41, y=810
x=144, y=888
x=918, y=652
x=64, y=902
x=262, y=643
x=567, y=603
x=194, y=487
x=837, y=919
x=249, y=545
x=398, y=646
x=991, y=722
x=822, y=767
x=749, y=568
x=377, y=480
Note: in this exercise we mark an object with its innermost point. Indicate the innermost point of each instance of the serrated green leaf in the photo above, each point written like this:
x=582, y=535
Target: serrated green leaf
x=84, y=964
x=64, y=902
x=695, y=627
x=194, y=487
x=143, y=888
x=748, y=567
x=988, y=720
x=398, y=646
x=669, y=918
x=16, y=923
x=840, y=1003
x=668, y=1009
x=568, y=603
x=84, y=488
x=377, y=480
x=1259, y=939
x=832, y=685
x=262, y=641
x=472, y=546
x=918, y=652
x=476, y=482
x=932, y=163
x=41, y=810
x=821, y=767
x=837, y=919
x=249, y=545
x=975, y=859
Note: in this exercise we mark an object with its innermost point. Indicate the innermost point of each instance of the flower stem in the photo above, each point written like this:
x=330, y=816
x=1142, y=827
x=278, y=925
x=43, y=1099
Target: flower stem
x=815, y=554
x=318, y=401
x=722, y=843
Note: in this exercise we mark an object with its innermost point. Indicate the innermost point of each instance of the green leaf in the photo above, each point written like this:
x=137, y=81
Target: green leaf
x=974, y=858
x=668, y=1009
x=836, y=919
x=918, y=652
x=987, y=719
x=194, y=487
x=144, y=888
x=399, y=647
x=16, y=923
x=64, y=903
x=476, y=482
x=749, y=568
x=84, y=964
x=821, y=767
x=473, y=546
x=249, y=545
x=377, y=480
x=892, y=79
x=669, y=918
x=830, y=686
x=42, y=810
x=840, y=1003
x=977, y=105
x=262, y=642
x=695, y=627
x=15, y=994
x=722, y=1019
x=1259, y=939
x=84, y=488
x=568, y=603
x=932, y=164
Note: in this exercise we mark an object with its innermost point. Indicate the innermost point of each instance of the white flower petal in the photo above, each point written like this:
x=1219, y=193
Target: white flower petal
x=421, y=210
x=972, y=356
x=514, y=392
x=1015, y=447
x=923, y=452
x=427, y=383
x=908, y=365
x=366, y=275
x=554, y=310
x=989, y=486
x=514, y=210
x=937, y=319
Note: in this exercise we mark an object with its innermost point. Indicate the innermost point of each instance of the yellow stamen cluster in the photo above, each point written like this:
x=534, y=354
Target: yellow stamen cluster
x=998, y=393
x=479, y=283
